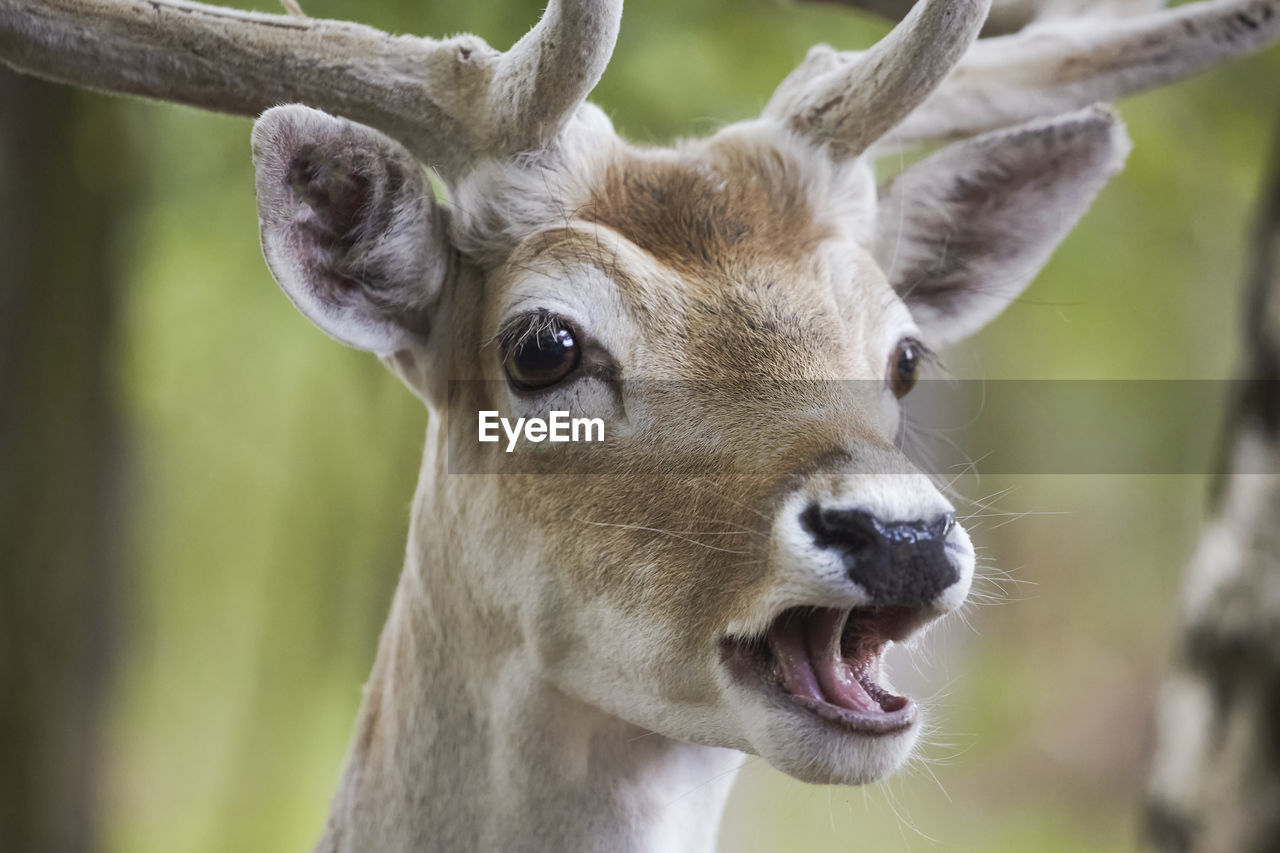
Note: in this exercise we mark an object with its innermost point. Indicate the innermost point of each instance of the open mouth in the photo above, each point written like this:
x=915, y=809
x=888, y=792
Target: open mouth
x=827, y=661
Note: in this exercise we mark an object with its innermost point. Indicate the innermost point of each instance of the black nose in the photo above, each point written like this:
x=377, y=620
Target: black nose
x=899, y=563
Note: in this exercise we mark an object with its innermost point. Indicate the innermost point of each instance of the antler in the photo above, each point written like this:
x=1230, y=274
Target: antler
x=450, y=101
x=1068, y=54
x=1009, y=16
x=849, y=100
x=1061, y=65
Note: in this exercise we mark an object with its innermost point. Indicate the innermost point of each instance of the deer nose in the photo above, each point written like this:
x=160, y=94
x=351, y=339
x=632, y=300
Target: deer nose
x=897, y=563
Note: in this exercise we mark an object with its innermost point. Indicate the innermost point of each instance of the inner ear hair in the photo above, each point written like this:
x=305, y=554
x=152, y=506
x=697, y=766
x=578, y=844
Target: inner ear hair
x=337, y=194
x=963, y=232
x=350, y=227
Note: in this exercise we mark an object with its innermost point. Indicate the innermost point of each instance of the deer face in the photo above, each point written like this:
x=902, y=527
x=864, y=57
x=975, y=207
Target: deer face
x=743, y=312
x=727, y=319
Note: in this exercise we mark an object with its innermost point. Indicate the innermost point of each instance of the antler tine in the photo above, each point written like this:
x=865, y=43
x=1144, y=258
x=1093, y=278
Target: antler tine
x=450, y=102
x=849, y=100
x=1057, y=66
x=547, y=75
x=1010, y=16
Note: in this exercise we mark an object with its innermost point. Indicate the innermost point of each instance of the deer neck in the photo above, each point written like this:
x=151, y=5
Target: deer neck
x=461, y=744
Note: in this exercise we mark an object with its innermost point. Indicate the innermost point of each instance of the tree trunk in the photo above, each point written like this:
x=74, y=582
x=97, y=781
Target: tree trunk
x=1215, y=778
x=59, y=456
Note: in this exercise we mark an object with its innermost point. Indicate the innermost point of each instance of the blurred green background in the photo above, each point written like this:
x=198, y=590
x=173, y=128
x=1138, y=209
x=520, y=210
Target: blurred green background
x=264, y=473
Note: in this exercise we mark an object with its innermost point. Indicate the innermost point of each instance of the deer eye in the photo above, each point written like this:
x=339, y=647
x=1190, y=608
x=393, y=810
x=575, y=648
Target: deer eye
x=542, y=355
x=904, y=367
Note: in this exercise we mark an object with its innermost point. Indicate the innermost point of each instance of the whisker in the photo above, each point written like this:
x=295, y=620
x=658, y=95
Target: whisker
x=673, y=534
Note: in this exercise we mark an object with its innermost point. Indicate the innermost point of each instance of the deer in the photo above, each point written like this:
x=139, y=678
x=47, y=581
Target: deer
x=569, y=663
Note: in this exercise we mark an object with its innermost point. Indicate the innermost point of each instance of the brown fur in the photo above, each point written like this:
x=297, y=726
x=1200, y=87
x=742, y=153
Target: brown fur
x=713, y=215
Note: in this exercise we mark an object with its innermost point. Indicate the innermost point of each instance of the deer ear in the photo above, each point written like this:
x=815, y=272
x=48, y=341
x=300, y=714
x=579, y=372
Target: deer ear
x=350, y=228
x=962, y=233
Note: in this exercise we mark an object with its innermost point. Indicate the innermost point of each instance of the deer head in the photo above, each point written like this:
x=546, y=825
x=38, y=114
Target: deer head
x=743, y=311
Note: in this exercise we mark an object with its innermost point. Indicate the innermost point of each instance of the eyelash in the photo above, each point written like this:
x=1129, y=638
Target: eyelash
x=529, y=324
x=928, y=358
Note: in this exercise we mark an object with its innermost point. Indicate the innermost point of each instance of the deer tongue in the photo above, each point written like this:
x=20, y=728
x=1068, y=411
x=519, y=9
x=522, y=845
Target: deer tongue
x=808, y=652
